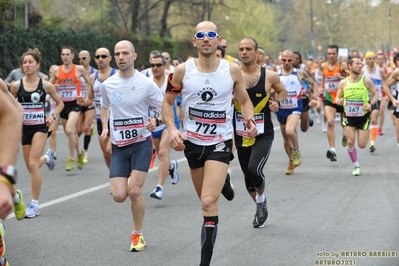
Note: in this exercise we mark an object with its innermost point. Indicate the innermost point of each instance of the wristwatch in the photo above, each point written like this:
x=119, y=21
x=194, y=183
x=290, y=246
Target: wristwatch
x=158, y=121
x=315, y=98
x=9, y=172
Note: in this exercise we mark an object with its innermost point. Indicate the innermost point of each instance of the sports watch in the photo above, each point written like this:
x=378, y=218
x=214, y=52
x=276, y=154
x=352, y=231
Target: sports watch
x=9, y=172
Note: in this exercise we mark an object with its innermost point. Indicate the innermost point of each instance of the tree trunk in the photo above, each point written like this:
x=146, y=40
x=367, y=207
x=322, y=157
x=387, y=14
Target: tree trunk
x=164, y=19
x=135, y=8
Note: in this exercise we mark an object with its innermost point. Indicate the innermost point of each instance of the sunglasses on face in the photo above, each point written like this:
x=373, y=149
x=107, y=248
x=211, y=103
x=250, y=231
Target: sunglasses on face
x=82, y=58
x=156, y=65
x=103, y=56
x=286, y=60
x=201, y=35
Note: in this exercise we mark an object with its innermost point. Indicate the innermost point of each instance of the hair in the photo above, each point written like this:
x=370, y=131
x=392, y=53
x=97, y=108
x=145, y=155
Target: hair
x=222, y=49
x=252, y=39
x=350, y=60
x=160, y=56
x=68, y=47
x=178, y=59
x=333, y=46
x=300, y=57
x=396, y=56
x=154, y=52
x=35, y=53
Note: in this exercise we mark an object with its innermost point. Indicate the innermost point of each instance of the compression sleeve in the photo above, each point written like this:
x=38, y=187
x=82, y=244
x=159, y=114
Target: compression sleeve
x=171, y=88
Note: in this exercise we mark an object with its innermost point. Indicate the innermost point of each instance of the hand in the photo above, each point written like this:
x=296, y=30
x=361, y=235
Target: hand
x=49, y=120
x=313, y=103
x=80, y=101
x=367, y=107
x=176, y=139
x=274, y=106
x=339, y=101
x=104, y=135
x=395, y=103
x=151, y=125
x=251, y=128
x=5, y=201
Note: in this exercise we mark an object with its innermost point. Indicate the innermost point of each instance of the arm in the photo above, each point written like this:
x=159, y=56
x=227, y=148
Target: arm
x=344, y=69
x=370, y=86
x=50, y=89
x=104, y=113
x=90, y=94
x=315, y=87
x=339, y=98
x=280, y=93
x=393, y=78
x=173, y=89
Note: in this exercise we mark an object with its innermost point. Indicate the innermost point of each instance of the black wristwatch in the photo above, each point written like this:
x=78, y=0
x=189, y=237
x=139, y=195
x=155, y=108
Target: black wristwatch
x=9, y=172
x=54, y=116
x=279, y=103
x=158, y=121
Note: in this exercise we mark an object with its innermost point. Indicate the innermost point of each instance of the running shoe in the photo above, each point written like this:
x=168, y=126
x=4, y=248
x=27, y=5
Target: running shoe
x=261, y=215
x=2, y=242
x=331, y=155
x=324, y=127
x=80, y=160
x=55, y=156
x=173, y=174
x=157, y=193
x=228, y=190
x=5, y=263
x=290, y=168
x=344, y=140
x=154, y=155
x=85, y=159
x=356, y=171
x=138, y=242
x=372, y=148
x=380, y=132
x=70, y=165
x=32, y=211
x=51, y=163
x=297, y=158
x=311, y=122
x=19, y=207
x=93, y=128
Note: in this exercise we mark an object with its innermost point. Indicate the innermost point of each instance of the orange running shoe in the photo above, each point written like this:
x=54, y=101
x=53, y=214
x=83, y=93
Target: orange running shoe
x=154, y=155
x=138, y=243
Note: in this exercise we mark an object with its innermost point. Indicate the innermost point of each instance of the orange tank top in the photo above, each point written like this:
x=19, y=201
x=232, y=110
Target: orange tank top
x=330, y=82
x=69, y=84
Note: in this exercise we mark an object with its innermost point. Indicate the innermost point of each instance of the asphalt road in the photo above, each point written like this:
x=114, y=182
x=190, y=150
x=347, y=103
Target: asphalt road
x=319, y=215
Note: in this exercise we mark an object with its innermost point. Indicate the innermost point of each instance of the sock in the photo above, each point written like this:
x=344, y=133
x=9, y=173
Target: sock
x=260, y=198
x=332, y=149
x=373, y=133
x=47, y=158
x=171, y=166
x=86, y=142
x=2, y=260
x=15, y=199
x=356, y=164
x=352, y=154
x=208, y=238
x=34, y=202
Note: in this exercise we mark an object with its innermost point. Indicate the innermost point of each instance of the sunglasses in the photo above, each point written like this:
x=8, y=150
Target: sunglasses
x=286, y=60
x=82, y=58
x=156, y=65
x=103, y=56
x=201, y=35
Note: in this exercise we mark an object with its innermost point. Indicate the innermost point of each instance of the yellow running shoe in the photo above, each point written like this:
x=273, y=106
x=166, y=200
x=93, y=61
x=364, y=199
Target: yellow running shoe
x=290, y=168
x=19, y=207
x=297, y=157
x=93, y=128
x=70, y=165
x=80, y=159
x=85, y=159
x=138, y=242
x=2, y=243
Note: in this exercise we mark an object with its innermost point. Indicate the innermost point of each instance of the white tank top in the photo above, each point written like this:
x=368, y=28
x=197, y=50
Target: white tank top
x=207, y=104
x=318, y=77
x=376, y=79
x=293, y=87
x=129, y=100
x=153, y=111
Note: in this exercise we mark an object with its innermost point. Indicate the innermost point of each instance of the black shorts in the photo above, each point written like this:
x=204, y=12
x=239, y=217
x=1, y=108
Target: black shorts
x=70, y=107
x=390, y=106
x=100, y=127
x=305, y=104
x=87, y=108
x=29, y=131
x=197, y=155
x=376, y=106
x=339, y=108
x=396, y=113
x=362, y=123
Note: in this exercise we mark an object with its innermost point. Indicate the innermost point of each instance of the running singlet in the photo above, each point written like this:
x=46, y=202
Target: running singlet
x=376, y=79
x=69, y=84
x=83, y=90
x=331, y=82
x=207, y=103
x=128, y=100
x=153, y=111
x=293, y=87
x=262, y=117
x=97, y=93
x=356, y=96
x=32, y=104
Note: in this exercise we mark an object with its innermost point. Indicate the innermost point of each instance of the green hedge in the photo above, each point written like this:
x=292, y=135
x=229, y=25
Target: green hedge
x=15, y=42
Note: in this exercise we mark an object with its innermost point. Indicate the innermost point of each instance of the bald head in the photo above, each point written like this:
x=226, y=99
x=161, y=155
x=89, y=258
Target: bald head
x=102, y=50
x=126, y=43
x=206, y=26
x=288, y=53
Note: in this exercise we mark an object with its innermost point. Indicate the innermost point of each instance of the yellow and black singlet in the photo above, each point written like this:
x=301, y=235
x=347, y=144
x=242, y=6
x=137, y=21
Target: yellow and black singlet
x=260, y=100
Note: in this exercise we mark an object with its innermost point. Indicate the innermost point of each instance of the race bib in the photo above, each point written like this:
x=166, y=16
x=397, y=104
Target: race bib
x=128, y=131
x=354, y=108
x=33, y=114
x=291, y=101
x=331, y=84
x=206, y=125
x=241, y=128
x=67, y=92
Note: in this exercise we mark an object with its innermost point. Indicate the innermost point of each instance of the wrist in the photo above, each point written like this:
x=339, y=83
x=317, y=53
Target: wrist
x=8, y=175
x=315, y=98
x=54, y=116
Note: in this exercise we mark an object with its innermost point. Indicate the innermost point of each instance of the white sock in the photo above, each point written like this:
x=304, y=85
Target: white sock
x=15, y=199
x=47, y=158
x=34, y=202
x=138, y=232
x=356, y=164
x=260, y=198
x=333, y=149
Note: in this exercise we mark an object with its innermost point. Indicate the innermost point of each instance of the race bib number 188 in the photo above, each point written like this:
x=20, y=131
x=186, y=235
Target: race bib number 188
x=128, y=131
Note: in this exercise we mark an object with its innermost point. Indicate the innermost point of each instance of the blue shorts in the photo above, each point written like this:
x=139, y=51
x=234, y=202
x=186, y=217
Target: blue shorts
x=136, y=156
x=282, y=114
x=157, y=134
x=179, y=100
